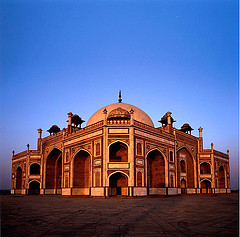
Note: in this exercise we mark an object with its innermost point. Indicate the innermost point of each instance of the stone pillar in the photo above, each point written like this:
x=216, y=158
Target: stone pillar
x=39, y=138
x=12, y=181
x=228, y=153
x=39, y=133
x=212, y=147
x=28, y=148
x=27, y=172
x=200, y=132
x=200, y=140
x=175, y=157
x=212, y=168
x=169, y=122
x=43, y=174
x=70, y=118
x=198, y=173
x=105, y=155
x=70, y=122
x=131, y=159
x=228, y=181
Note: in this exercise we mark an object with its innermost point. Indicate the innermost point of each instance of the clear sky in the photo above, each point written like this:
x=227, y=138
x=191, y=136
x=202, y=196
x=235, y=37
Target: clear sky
x=62, y=56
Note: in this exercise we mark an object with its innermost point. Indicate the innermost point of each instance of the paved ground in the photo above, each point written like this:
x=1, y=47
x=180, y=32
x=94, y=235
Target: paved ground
x=189, y=215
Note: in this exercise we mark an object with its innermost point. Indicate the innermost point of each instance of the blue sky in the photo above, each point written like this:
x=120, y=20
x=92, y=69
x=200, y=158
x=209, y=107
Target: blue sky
x=62, y=56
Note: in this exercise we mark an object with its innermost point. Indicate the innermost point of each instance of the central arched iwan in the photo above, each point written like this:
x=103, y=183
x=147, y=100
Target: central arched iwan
x=188, y=168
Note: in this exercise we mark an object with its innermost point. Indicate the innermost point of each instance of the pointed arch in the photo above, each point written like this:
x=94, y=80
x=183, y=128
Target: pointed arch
x=205, y=168
x=183, y=185
x=33, y=181
x=182, y=147
x=156, y=148
x=53, y=169
x=34, y=187
x=77, y=151
x=221, y=177
x=19, y=176
x=206, y=180
x=118, y=184
x=118, y=171
x=118, y=152
x=118, y=141
x=81, y=169
x=156, y=169
x=183, y=153
x=206, y=186
x=34, y=169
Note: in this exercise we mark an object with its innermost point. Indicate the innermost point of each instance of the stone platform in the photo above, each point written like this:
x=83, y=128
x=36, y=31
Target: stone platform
x=187, y=215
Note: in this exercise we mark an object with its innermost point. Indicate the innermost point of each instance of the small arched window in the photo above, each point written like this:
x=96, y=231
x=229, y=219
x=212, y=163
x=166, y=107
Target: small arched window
x=183, y=166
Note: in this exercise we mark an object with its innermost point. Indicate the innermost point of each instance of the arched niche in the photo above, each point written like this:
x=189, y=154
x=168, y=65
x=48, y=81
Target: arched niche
x=184, y=154
x=221, y=177
x=54, y=169
x=81, y=170
x=155, y=169
x=34, y=169
x=19, y=178
x=118, y=152
x=205, y=168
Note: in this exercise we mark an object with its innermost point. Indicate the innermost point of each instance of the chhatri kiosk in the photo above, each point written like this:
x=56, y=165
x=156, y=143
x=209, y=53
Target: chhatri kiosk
x=120, y=152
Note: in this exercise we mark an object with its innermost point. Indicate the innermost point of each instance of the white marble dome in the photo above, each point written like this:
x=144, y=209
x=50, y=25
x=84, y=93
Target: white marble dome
x=138, y=114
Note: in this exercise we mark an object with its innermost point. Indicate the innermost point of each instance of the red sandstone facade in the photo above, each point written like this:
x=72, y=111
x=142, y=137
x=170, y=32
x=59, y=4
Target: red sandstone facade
x=120, y=152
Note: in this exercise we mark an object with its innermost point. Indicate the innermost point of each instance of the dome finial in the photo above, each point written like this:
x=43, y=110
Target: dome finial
x=120, y=97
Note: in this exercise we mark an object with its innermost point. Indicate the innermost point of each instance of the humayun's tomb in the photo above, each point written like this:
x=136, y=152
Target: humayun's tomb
x=120, y=152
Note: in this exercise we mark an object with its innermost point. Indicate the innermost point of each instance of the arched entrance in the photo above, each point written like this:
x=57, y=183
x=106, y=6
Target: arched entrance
x=155, y=171
x=118, y=152
x=81, y=170
x=185, y=167
x=118, y=184
x=54, y=171
x=221, y=177
x=206, y=186
x=183, y=186
x=34, y=188
x=19, y=178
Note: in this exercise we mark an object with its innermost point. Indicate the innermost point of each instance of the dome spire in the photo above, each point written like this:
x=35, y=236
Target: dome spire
x=120, y=97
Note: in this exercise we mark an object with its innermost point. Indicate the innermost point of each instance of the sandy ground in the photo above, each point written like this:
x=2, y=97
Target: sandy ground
x=187, y=215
